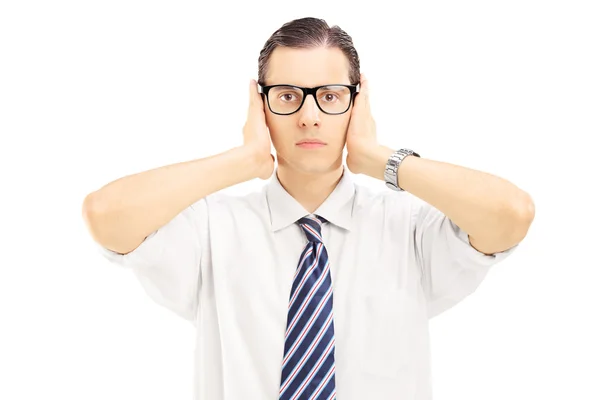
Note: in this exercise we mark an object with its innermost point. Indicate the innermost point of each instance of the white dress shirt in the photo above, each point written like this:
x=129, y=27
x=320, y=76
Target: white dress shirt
x=227, y=263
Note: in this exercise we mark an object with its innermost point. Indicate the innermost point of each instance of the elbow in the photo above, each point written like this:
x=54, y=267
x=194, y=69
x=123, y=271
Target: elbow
x=529, y=209
x=103, y=226
x=526, y=210
x=95, y=214
x=90, y=211
x=90, y=205
x=524, y=213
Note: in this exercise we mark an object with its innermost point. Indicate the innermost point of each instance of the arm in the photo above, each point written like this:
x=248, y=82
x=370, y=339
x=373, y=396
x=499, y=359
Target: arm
x=123, y=213
x=495, y=213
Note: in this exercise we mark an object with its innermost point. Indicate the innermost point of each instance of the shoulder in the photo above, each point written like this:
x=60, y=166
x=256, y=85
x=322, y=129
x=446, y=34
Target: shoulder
x=371, y=197
x=233, y=201
x=384, y=205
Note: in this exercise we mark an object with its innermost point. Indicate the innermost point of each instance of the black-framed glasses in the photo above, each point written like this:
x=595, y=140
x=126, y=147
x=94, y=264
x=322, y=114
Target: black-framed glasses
x=332, y=99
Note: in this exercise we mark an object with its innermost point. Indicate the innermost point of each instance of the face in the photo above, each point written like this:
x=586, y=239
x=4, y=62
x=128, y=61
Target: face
x=308, y=68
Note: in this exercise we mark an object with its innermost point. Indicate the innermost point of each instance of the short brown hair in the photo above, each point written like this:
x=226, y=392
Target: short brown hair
x=307, y=33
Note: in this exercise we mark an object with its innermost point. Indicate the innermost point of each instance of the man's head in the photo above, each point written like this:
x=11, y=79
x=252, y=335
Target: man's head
x=308, y=53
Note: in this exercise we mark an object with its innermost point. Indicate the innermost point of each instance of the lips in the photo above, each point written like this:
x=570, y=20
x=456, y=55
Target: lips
x=311, y=141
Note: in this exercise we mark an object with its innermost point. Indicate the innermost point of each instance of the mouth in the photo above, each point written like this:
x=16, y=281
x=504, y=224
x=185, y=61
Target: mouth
x=310, y=144
x=311, y=141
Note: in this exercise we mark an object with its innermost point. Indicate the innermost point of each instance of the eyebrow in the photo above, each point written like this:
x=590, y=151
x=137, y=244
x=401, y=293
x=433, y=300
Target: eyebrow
x=284, y=86
x=334, y=86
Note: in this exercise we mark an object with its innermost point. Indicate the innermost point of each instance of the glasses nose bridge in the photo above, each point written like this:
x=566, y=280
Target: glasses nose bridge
x=312, y=91
x=309, y=91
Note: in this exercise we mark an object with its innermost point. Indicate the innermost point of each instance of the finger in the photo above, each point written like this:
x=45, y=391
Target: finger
x=256, y=101
x=253, y=91
x=364, y=90
x=364, y=85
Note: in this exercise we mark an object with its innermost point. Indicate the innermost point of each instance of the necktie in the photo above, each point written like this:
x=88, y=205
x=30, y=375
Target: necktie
x=308, y=366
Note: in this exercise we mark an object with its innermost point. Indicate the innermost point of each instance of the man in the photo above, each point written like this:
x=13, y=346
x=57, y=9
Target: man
x=313, y=287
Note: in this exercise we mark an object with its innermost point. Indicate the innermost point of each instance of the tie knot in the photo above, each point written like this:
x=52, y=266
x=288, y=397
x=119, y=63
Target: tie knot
x=311, y=225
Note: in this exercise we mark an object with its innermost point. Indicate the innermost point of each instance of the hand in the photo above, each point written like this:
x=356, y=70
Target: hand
x=256, y=134
x=361, y=137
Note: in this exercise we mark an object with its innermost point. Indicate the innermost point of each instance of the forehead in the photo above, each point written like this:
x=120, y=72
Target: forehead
x=307, y=67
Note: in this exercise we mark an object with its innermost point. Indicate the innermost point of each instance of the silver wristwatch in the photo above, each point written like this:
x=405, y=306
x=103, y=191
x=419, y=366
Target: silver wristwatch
x=391, y=169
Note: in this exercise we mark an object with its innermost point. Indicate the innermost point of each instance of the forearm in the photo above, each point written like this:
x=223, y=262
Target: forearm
x=123, y=213
x=494, y=212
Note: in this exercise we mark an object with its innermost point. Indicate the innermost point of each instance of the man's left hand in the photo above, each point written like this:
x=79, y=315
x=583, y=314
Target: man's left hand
x=361, y=136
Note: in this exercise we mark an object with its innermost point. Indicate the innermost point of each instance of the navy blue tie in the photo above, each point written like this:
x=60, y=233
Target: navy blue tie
x=308, y=367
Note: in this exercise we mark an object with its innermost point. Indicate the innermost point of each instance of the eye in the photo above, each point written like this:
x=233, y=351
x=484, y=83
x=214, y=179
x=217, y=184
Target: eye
x=287, y=96
x=330, y=97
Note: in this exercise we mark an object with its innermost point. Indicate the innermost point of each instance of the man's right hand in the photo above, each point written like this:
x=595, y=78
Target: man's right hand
x=256, y=134
x=122, y=213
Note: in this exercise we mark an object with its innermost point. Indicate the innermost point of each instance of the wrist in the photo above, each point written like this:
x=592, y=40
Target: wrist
x=375, y=160
x=395, y=173
x=247, y=160
x=260, y=163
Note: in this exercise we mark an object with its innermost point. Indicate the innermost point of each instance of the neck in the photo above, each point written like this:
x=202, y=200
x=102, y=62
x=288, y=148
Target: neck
x=309, y=189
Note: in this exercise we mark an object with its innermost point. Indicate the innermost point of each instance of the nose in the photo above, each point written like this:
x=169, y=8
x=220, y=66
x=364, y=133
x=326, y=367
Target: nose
x=309, y=113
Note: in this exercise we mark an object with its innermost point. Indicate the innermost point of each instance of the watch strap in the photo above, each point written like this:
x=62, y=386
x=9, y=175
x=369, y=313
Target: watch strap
x=391, y=169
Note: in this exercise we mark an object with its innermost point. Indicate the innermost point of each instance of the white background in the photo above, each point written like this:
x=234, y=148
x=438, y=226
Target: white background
x=92, y=91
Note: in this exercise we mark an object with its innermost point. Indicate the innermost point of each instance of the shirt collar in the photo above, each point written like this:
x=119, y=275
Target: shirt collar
x=285, y=210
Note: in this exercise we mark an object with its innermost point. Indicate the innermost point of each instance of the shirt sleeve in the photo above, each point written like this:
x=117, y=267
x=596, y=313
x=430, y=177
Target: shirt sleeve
x=451, y=267
x=168, y=262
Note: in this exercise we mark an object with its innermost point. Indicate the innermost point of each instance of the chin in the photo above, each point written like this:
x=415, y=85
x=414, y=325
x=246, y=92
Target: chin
x=315, y=167
x=313, y=164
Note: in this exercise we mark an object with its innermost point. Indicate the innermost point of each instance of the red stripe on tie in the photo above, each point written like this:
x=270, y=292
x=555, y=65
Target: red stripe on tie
x=315, y=369
x=308, y=272
x=305, y=331
x=324, y=382
x=302, y=362
x=307, y=300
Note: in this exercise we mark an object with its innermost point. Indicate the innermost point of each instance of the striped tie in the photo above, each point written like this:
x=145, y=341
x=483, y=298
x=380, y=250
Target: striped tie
x=308, y=367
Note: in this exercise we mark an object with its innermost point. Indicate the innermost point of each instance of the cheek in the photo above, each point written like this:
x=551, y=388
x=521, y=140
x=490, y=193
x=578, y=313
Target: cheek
x=342, y=129
x=277, y=129
x=347, y=121
x=271, y=122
